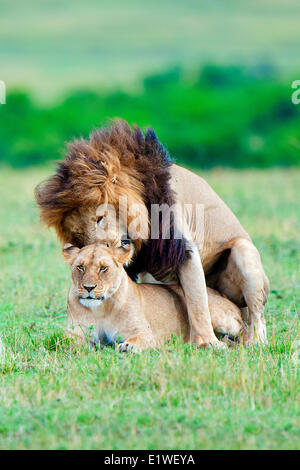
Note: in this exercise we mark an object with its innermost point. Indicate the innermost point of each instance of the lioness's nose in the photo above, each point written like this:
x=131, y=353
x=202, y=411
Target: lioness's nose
x=89, y=288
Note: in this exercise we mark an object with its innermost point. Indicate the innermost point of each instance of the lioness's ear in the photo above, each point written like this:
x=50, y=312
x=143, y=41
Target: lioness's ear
x=70, y=252
x=124, y=252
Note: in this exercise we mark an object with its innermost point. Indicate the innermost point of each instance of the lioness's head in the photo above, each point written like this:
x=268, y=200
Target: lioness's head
x=97, y=269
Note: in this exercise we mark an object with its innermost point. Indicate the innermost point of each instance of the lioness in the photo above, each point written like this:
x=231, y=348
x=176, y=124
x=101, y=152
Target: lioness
x=125, y=168
x=103, y=296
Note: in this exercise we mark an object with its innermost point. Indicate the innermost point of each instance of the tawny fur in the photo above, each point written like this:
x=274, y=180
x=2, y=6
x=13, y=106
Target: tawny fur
x=122, y=161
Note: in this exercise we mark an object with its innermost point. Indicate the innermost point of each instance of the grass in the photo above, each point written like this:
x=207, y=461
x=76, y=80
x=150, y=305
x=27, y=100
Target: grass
x=49, y=47
x=54, y=396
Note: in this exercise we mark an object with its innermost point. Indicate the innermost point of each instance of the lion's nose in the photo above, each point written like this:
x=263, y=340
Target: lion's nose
x=89, y=288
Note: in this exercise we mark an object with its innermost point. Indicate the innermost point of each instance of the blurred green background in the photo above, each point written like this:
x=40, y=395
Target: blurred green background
x=212, y=78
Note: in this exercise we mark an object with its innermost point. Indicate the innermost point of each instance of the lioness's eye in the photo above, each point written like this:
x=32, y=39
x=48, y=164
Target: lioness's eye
x=102, y=269
x=80, y=268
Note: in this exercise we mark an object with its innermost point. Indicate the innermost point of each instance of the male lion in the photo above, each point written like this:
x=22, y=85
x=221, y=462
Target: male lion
x=120, y=164
x=103, y=296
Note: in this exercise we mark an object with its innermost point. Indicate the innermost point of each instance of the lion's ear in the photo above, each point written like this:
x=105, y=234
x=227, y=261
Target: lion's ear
x=70, y=252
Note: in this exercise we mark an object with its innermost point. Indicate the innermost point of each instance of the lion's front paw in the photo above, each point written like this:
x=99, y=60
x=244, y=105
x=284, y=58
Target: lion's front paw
x=128, y=347
x=256, y=333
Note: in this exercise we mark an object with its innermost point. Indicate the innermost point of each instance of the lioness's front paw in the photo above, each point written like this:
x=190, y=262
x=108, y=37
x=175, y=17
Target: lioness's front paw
x=230, y=341
x=207, y=343
x=128, y=347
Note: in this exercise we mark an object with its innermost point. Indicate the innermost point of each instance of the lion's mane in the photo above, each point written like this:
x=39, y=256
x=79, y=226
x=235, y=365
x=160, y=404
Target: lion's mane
x=116, y=161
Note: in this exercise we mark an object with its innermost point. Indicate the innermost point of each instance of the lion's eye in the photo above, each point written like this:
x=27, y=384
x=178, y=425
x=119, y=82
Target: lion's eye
x=125, y=242
x=80, y=268
x=103, y=268
x=99, y=219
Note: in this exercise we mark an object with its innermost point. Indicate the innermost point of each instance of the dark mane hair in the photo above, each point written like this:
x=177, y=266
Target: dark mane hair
x=116, y=160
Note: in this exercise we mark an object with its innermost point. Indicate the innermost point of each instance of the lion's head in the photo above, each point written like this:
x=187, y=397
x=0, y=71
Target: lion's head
x=116, y=164
x=96, y=270
x=105, y=187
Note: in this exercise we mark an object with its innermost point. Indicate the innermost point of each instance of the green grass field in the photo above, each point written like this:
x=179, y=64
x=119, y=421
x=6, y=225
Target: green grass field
x=52, y=396
x=50, y=47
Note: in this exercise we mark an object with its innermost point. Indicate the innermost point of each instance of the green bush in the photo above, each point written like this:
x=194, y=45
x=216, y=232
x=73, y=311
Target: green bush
x=229, y=116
